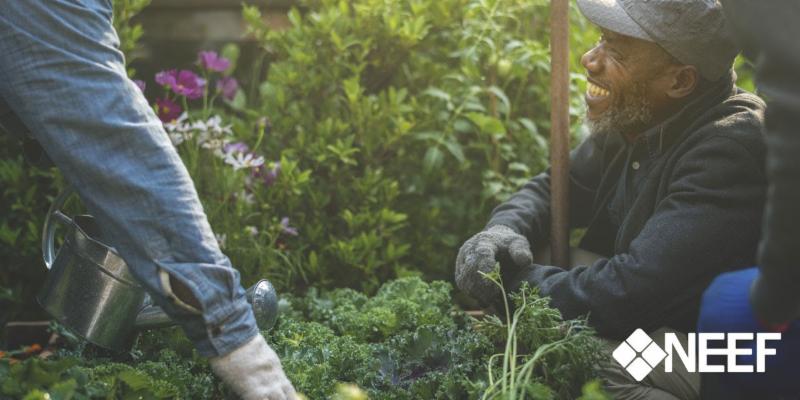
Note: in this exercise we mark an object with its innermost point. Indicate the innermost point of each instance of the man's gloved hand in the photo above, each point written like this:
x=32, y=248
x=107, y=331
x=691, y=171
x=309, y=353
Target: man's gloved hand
x=726, y=307
x=254, y=372
x=481, y=252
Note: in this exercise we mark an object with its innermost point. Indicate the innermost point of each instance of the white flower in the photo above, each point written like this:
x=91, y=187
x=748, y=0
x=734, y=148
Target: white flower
x=214, y=125
x=242, y=160
x=176, y=138
x=178, y=130
x=178, y=125
x=215, y=145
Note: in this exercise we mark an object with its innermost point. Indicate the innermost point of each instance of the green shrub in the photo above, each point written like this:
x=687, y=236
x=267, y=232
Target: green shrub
x=413, y=118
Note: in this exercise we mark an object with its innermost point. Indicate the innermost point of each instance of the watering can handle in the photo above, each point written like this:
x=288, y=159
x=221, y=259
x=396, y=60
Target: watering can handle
x=54, y=214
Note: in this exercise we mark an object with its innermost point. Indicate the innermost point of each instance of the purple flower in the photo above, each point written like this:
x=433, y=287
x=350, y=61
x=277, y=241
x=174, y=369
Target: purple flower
x=238, y=147
x=289, y=230
x=268, y=176
x=167, y=78
x=188, y=84
x=211, y=61
x=228, y=87
x=167, y=110
x=140, y=84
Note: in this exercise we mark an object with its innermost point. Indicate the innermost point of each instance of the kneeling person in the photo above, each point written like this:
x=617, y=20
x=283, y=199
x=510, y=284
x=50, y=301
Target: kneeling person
x=669, y=185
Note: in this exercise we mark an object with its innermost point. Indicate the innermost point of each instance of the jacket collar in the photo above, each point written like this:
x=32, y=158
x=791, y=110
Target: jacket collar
x=674, y=128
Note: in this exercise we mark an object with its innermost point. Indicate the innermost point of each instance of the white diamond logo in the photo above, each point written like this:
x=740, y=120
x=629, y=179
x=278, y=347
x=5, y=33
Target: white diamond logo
x=653, y=354
x=624, y=354
x=638, y=354
x=638, y=340
x=638, y=369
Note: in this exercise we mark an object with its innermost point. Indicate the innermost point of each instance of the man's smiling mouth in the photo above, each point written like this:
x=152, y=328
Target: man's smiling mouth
x=596, y=91
x=598, y=99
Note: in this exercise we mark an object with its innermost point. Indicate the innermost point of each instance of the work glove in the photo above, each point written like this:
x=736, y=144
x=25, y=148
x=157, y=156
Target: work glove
x=725, y=307
x=480, y=254
x=254, y=372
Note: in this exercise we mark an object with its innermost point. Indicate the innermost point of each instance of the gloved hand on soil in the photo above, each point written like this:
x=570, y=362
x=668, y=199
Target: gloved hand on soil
x=254, y=372
x=480, y=254
x=726, y=307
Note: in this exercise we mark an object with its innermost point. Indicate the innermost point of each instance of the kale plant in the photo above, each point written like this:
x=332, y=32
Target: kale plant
x=406, y=342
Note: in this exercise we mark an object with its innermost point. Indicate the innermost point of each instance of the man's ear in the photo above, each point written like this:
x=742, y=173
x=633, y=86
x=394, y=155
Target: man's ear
x=684, y=80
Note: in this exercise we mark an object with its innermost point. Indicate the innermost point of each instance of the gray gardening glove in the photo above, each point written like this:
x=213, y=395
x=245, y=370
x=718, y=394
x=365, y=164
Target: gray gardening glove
x=254, y=372
x=481, y=252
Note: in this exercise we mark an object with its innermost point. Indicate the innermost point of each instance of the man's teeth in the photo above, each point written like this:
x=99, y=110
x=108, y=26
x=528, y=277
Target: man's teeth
x=596, y=91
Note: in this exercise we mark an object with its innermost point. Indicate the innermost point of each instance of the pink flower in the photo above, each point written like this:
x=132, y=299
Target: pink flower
x=167, y=78
x=188, y=84
x=286, y=229
x=140, y=84
x=211, y=61
x=185, y=83
x=167, y=110
x=228, y=87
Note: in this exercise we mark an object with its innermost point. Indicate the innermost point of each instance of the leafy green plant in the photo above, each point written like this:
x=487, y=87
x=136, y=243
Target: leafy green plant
x=537, y=340
x=408, y=341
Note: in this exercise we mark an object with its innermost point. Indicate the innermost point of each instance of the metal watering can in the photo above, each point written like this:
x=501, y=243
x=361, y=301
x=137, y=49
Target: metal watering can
x=91, y=291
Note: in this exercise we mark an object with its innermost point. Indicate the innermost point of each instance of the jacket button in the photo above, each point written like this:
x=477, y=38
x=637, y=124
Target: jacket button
x=635, y=165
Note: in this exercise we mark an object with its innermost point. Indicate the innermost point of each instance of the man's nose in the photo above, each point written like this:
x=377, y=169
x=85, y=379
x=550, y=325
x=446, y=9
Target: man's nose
x=592, y=60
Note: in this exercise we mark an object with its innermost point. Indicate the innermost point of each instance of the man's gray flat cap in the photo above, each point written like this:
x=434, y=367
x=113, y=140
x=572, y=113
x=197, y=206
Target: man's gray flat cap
x=693, y=31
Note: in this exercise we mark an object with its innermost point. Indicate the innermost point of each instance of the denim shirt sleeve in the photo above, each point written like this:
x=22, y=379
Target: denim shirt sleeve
x=63, y=74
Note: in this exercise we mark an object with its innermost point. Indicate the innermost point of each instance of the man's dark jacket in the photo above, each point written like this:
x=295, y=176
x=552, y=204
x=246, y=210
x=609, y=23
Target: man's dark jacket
x=668, y=212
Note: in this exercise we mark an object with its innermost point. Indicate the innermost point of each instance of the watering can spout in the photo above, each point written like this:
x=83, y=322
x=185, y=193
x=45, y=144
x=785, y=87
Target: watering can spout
x=261, y=296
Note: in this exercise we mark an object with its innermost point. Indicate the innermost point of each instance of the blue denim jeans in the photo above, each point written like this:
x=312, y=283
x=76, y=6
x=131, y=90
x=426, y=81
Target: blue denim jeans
x=62, y=73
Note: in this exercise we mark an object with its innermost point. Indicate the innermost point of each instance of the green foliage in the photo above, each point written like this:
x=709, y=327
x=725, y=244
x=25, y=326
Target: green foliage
x=128, y=32
x=406, y=342
x=25, y=194
x=160, y=375
x=544, y=357
x=414, y=118
x=409, y=342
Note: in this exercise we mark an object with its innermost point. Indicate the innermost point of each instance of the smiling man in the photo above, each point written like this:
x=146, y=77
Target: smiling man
x=669, y=185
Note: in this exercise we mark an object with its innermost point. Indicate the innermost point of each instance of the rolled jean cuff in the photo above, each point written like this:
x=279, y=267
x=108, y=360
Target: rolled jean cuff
x=212, y=340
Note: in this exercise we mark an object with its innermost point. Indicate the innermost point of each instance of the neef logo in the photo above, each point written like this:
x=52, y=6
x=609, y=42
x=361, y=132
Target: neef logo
x=692, y=357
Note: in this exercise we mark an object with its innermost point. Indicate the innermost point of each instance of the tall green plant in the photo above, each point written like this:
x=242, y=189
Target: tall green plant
x=128, y=31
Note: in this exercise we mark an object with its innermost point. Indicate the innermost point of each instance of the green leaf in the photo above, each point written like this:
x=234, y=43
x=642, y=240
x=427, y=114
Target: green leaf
x=455, y=149
x=487, y=124
x=433, y=159
x=503, y=99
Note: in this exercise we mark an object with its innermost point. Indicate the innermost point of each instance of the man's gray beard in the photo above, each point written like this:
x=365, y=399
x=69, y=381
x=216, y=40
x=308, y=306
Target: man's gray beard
x=631, y=113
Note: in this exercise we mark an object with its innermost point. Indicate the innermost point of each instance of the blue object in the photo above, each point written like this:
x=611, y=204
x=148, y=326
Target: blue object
x=62, y=73
x=726, y=308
